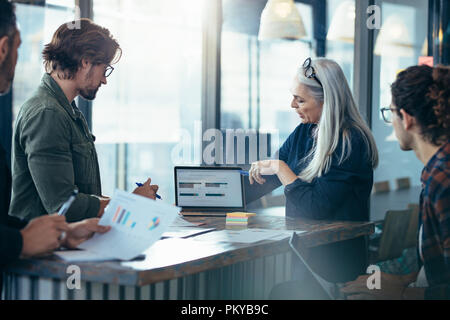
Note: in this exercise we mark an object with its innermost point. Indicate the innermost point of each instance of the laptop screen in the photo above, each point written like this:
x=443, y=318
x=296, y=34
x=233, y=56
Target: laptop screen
x=208, y=187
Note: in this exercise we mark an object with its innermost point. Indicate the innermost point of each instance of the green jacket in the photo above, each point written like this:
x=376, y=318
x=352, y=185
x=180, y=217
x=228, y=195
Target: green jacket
x=53, y=153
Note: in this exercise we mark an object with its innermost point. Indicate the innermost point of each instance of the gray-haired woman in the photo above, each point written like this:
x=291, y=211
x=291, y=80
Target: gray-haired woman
x=326, y=165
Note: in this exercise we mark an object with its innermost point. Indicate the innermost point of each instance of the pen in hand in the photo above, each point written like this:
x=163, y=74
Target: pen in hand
x=140, y=185
x=243, y=172
x=65, y=207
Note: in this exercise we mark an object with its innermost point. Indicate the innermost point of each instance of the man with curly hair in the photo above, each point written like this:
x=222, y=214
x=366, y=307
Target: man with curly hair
x=420, y=115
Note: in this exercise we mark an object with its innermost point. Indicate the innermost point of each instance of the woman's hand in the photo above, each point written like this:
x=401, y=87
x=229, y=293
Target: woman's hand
x=271, y=167
x=264, y=167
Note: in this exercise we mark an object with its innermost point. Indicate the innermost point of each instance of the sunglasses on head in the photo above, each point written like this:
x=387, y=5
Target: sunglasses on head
x=309, y=71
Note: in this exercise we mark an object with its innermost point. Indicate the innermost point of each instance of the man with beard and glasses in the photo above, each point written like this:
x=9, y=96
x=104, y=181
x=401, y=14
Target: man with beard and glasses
x=53, y=148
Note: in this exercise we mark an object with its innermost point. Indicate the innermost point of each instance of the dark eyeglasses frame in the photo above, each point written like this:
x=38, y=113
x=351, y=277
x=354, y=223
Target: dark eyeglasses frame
x=387, y=109
x=309, y=71
x=108, y=70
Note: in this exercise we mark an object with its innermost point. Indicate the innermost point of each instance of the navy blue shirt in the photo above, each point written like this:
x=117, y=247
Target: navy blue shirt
x=340, y=194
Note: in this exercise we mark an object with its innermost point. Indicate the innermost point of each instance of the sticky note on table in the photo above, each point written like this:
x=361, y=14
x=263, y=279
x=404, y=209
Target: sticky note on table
x=240, y=214
x=238, y=218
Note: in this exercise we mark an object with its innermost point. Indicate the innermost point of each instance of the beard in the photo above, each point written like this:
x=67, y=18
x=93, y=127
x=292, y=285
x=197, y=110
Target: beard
x=89, y=94
x=405, y=147
x=405, y=143
x=5, y=91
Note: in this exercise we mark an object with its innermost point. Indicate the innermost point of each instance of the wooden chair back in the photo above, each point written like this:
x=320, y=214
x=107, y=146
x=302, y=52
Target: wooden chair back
x=381, y=186
x=403, y=183
x=395, y=228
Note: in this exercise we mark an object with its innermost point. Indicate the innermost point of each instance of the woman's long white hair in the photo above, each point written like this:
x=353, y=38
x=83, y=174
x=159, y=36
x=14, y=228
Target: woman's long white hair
x=339, y=114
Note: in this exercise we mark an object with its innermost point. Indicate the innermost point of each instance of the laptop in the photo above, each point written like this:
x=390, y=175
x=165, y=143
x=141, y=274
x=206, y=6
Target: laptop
x=209, y=191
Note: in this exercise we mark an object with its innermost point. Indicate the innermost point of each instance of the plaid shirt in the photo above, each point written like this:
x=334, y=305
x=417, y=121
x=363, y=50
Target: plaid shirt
x=435, y=217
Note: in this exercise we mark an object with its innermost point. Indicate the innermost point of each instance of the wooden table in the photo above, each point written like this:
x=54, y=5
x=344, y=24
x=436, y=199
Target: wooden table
x=183, y=268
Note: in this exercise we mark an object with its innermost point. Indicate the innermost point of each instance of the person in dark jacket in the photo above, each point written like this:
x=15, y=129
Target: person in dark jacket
x=326, y=166
x=20, y=238
x=12, y=238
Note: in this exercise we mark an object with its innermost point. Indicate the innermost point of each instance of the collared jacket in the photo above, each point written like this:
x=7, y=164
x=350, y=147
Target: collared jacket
x=53, y=153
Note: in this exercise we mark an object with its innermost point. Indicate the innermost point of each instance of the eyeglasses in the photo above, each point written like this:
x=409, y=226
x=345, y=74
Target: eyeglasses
x=309, y=71
x=108, y=70
x=387, y=114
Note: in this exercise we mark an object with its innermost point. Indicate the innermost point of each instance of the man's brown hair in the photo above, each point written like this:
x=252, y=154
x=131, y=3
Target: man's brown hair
x=78, y=40
x=424, y=93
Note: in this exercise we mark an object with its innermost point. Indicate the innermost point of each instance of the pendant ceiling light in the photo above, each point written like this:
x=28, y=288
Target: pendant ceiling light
x=280, y=19
x=394, y=39
x=342, y=26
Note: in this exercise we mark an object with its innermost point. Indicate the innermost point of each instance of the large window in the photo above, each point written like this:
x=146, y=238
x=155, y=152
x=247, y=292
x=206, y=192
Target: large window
x=153, y=97
x=37, y=25
x=398, y=44
x=152, y=103
x=256, y=76
x=279, y=63
x=341, y=35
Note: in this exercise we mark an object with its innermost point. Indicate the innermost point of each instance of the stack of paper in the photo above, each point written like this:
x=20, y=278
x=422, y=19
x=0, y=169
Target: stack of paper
x=238, y=218
x=136, y=224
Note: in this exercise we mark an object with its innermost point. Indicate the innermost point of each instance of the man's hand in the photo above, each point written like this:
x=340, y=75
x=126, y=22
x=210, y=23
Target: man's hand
x=147, y=190
x=103, y=204
x=41, y=235
x=392, y=287
x=79, y=232
x=264, y=167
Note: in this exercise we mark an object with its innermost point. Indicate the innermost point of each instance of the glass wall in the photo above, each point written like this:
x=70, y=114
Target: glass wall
x=279, y=63
x=153, y=97
x=37, y=25
x=152, y=102
x=256, y=76
x=398, y=44
x=341, y=35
